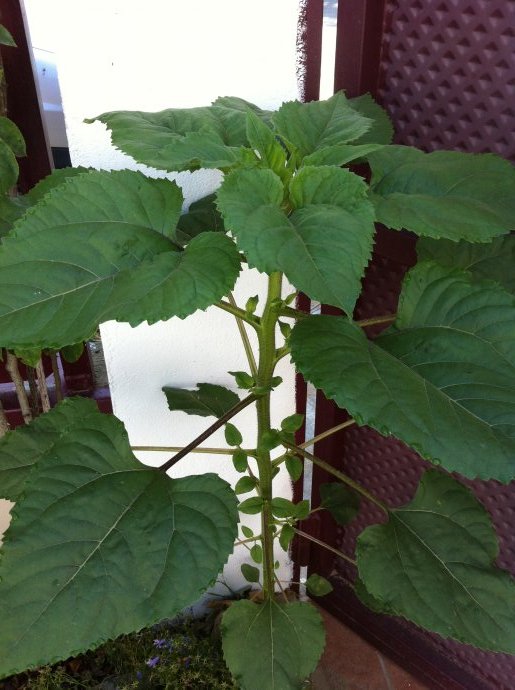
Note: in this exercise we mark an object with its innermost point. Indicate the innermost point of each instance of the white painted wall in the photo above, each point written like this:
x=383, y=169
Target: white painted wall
x=124, y=54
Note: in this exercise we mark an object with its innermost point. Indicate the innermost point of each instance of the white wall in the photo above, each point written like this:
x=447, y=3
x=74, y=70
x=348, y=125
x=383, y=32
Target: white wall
x=124, y=54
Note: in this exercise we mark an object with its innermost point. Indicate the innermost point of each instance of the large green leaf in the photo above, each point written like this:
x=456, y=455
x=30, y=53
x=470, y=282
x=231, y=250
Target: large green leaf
x=181, y=139
x=443, y=194
x=340, y=154
x=312, y=126
x=13, y=208
x=20, y=449
x=12, y=136
x=493, y=261
x=381, y=131
x=208, y=400
x=116, y=263
x=323, y=246
x=433, y=563
x=202, y=216
x=101, y=545
x=236, y=103
x=8, y=167
x=436, y=390
x=272, y=646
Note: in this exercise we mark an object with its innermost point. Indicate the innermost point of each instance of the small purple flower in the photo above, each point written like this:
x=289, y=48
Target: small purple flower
x=151, y=663
x=160, y=644
x=139, y=675
x=187, y=662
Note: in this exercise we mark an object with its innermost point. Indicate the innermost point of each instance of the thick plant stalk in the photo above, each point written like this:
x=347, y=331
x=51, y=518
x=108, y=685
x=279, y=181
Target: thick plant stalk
x=11, y=366
x=42, y=387
x=266, y=335
x=4, y=424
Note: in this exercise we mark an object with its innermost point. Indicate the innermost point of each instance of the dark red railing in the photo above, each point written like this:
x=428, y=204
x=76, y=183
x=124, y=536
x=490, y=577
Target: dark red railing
x=444, y=71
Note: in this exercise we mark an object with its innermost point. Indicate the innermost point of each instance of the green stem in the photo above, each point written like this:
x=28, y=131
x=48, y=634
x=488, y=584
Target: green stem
x=239, y=313
x=339, y=475
x=291, y=313
x=177, y=449
x=245, y=340
x=324, y=545
x=207, y=433
x=266, y=336
x=325, y=434
x=376, y=320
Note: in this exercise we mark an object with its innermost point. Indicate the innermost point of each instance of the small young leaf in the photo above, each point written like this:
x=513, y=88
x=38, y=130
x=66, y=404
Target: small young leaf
x=250, y=572
x=318, y=586
x=251, y=506
x=232, y=435
x=341, y=502
x=261, y=138
x=251, y=305
x=239, y=460
x=295, y=467
x=270, y=439
x=202, y=216
x=6, y=38
x=256, y=553
x=285, y=329
x=275, y=381
x=208, y=400
x=286, y=535
x=244, y=485
x=292, y=423
x=247, y=532
x=71, y=353
x=302, y=509
x=282, y=507
x=243, y=380
x=29, y=356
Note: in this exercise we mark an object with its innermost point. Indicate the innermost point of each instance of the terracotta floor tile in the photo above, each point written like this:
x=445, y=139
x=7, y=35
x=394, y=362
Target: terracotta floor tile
x=351, y=663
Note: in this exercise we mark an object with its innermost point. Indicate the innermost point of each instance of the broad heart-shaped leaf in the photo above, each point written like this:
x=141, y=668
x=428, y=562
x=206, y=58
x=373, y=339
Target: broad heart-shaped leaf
x=433, y=563
x=13, y=208
x=208, y=400
x=381, y=131
x=202, y=216
x=429, y=404
x=444, y=194
x=181, y=139
x=116, y=262
x=272, y=645
x=493, y=261
x=101, y=545
x=323, y=246
x=319, y=124
x=240, y=104
x=20, y=449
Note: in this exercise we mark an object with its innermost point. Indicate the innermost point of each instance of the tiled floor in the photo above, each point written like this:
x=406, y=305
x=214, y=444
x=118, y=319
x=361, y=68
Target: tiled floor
x=350, y=663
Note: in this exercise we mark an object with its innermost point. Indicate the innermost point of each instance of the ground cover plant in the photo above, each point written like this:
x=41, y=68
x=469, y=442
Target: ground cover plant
x=101, y=545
